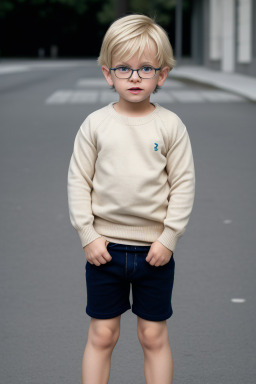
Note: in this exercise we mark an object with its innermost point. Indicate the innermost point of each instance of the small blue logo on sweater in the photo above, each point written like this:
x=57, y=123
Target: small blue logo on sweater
x=156, y=147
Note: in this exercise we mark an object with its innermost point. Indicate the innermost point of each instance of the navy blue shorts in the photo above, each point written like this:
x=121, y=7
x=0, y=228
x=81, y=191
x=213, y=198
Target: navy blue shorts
x=108, y=285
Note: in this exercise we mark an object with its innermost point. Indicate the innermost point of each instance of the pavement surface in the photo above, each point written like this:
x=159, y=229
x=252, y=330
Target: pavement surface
x=241, y=85
x=42, y=282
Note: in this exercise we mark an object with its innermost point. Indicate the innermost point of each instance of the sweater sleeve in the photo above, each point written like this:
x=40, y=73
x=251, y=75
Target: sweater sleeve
x=79, y=184
x=181, y=178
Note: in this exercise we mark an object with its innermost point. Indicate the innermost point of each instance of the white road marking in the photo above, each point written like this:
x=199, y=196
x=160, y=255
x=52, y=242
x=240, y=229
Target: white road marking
x=83, y=97
x=188, y=96
x=59, y=97
x=93, y=82
x=238, y=300
x=99, y=93
x=73, y=97
x=108, y=96
x=214, y=95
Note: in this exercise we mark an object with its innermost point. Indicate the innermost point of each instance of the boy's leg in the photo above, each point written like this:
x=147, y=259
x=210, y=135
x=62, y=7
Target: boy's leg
x=103, y=335
x=154, y=339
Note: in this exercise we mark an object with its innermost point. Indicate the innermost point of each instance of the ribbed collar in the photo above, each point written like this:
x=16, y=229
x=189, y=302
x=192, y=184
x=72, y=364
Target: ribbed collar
x=139, y=120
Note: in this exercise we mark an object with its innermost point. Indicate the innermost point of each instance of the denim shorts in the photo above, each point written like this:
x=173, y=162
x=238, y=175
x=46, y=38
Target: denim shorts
x=108, y=285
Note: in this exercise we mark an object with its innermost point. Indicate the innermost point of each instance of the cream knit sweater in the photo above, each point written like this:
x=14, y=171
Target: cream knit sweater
x=131, y=179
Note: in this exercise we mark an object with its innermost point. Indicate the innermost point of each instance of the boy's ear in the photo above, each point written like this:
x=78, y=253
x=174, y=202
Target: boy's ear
x=107, y=74
x=163, y=76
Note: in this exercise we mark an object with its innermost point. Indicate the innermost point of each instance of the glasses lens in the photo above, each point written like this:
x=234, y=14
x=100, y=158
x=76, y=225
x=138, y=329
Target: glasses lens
x=147, y=72
x=123, y=72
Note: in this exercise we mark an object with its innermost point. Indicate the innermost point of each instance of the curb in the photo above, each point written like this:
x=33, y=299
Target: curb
x=241, y=85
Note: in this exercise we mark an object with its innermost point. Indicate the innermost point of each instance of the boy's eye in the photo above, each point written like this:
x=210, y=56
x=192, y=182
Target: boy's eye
x=123, y=69
x=147, y=69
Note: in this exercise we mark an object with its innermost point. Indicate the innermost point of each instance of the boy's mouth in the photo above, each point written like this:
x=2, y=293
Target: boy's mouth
x=135, y=90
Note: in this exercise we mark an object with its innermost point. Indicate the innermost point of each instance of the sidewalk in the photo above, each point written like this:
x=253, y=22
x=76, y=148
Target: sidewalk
x=9, y=66
x=239, y=84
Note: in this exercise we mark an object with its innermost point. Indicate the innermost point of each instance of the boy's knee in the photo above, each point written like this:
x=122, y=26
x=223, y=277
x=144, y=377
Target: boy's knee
x=153, y=336
x=103, y=337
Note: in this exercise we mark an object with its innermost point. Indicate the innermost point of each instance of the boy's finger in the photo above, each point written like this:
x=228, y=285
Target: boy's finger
x=107, y=256
x=153, y=261
x=149, y=256
x=102, y=260
x=96, y=262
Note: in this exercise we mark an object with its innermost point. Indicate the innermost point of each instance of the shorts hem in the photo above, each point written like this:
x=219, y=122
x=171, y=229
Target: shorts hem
x=107, y=315
x=152, y=317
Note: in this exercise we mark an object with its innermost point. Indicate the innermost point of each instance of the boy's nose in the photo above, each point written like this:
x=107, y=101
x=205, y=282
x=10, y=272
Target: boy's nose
x=135, y=76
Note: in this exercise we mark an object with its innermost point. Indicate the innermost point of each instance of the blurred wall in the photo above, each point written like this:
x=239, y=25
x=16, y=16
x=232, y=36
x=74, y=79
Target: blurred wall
x=224, y=35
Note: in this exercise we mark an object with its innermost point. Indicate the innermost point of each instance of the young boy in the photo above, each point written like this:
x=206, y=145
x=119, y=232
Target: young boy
x=131, y=189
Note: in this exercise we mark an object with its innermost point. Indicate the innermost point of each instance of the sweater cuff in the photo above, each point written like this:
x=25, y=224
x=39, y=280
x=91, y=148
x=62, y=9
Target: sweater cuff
x=168, y=238
x=87, y=235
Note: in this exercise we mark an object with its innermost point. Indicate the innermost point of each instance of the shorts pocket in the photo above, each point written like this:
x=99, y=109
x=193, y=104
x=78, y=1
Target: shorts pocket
x=111, y=245
x=167, y=265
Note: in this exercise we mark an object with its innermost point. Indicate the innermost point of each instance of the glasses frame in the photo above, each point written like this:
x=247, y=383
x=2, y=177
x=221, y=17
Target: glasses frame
x=135, y=70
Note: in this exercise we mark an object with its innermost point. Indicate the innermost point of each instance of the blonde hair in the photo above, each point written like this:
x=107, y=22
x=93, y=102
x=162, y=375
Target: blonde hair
x=131, y=34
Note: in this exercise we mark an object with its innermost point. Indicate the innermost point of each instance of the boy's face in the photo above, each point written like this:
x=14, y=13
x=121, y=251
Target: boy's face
x=147, y=86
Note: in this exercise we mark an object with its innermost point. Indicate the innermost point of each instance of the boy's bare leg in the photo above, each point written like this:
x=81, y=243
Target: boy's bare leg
x=102, y=338
x=154, y=339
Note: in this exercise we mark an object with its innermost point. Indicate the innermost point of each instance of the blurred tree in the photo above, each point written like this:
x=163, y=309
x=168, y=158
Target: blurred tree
x=5, y=7
x=107, y=14
x=77, y=27
x=121, y=7
x=27, y=25
x=8, y=5
x=159, y=9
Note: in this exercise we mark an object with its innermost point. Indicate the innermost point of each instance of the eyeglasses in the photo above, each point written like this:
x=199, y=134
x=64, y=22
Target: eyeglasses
x=145, y=72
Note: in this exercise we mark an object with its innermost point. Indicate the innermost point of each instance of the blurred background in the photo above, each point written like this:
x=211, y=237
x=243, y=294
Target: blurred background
x=217, y=34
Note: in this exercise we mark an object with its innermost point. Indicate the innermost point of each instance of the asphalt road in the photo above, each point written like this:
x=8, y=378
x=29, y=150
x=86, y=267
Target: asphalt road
x=43, y=292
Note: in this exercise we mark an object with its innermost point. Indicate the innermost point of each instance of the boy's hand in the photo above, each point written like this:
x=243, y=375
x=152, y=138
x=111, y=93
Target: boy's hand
x=96, y=252
x=158, y=254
